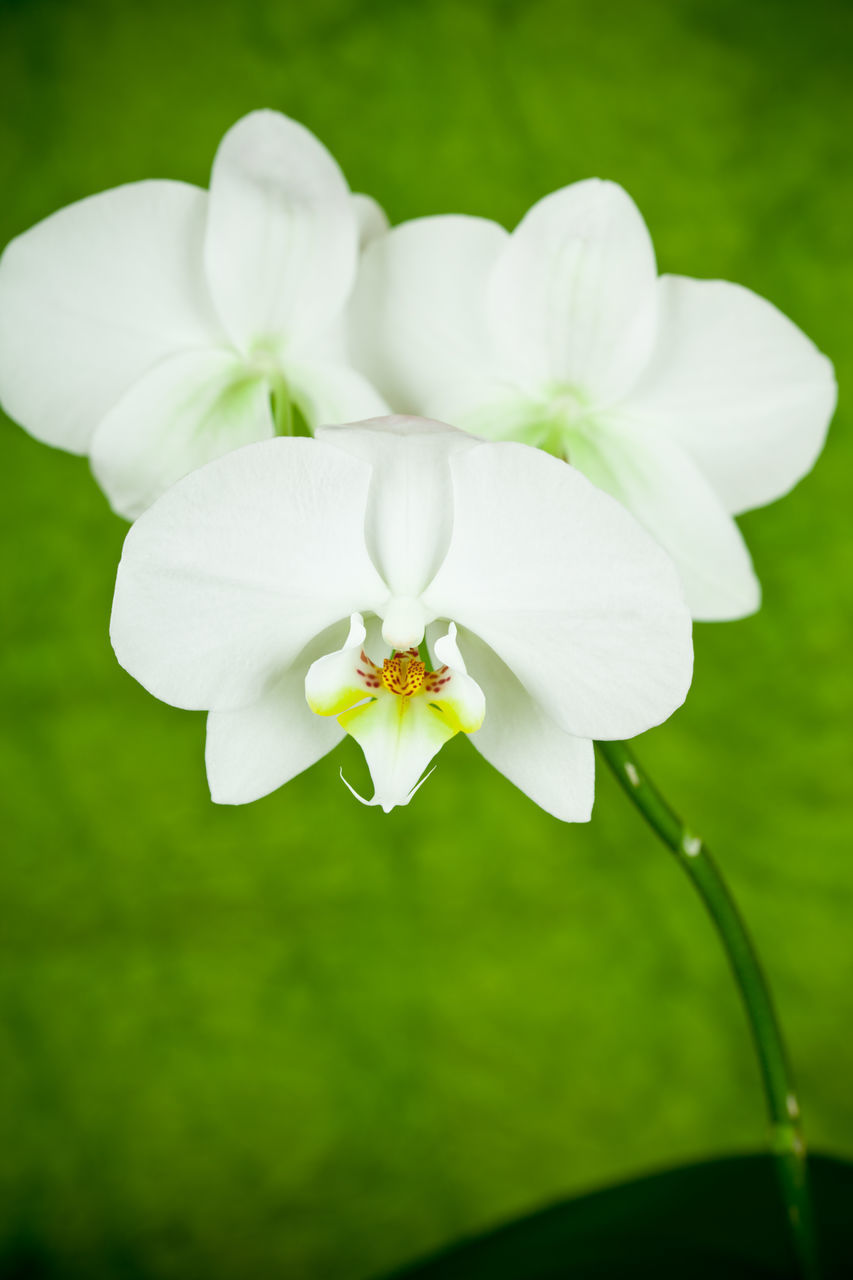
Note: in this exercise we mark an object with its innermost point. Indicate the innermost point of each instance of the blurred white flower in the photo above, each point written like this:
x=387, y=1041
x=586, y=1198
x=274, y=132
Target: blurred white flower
x=688, y=400
x=287, y=588
x=158, y=326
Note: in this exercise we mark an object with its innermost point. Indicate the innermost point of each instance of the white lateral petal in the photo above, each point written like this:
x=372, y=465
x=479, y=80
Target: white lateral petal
x=337, y=681
x=231, y=573
x=447, y=654
x=95, y=295
x=739, y=385
x=372, y=219
x=256, y=749
x=571, y=298
x=555, y=769
x=664, y=488
x=564, y=585
x=329, y=392
x=186, y=411
x=282, y=232
x=451, y=690
x=410, y=511
x=418, y=321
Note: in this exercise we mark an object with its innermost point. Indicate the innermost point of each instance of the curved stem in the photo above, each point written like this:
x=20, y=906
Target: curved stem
x=787, y=1141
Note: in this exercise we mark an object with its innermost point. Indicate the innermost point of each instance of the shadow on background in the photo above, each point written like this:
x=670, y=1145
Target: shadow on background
x=717, y=1219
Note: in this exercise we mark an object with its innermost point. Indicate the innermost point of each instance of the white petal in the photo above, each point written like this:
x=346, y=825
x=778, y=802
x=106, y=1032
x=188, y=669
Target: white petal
x=186, y=411
x=337, y=681
x=256, y=749
x=282, y=232
x=555, y=769
x=740, y=386
x=497, y=409
x=230, y=574
x=663, y=487
x=449, y=688
x=571, y=298
x=329, y=392
x=446, y=650
x=94, y=296
x=563, y=584
x=372, y=219
x=417, y=317
x=410, y=511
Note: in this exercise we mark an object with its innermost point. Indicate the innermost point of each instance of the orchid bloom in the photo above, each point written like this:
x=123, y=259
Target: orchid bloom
x=157, y=326
x=688, y=400
x=401, y=582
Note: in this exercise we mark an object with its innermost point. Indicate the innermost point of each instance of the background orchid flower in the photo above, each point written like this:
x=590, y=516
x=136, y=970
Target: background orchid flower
x=156, y=326
x=689, y=400
x=287, y=589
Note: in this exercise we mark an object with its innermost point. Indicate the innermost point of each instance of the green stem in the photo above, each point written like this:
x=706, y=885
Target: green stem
x=282, y=410
x=787, y=1140
x=288, y=417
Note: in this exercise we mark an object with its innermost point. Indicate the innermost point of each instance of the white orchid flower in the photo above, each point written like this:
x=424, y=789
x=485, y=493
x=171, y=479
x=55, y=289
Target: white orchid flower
x=688, y=400
x=290, y=588
x=157, y=326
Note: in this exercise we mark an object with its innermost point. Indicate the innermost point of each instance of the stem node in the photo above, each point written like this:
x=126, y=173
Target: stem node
x=786, y=1143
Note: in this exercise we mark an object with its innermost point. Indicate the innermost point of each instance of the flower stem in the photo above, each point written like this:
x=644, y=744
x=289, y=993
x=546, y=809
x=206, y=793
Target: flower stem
x=786, y=1135
x=282, y=410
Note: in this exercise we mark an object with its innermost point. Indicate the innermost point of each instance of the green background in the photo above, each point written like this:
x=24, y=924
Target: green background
x=302, y=1038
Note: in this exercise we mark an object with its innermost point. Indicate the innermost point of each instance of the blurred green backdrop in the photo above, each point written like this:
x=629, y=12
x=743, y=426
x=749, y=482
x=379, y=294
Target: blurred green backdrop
x=301, y=1038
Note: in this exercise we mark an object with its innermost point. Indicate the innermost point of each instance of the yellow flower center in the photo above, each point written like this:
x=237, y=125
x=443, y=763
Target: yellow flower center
x=403, y=673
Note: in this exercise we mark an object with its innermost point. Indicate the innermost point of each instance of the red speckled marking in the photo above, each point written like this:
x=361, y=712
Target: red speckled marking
x=403, y=673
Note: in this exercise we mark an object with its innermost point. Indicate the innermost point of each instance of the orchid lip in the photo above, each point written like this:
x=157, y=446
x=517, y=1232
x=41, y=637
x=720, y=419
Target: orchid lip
x=400, y=712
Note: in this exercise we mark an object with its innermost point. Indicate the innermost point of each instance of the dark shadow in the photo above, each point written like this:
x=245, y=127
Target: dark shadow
x=721, y=1219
